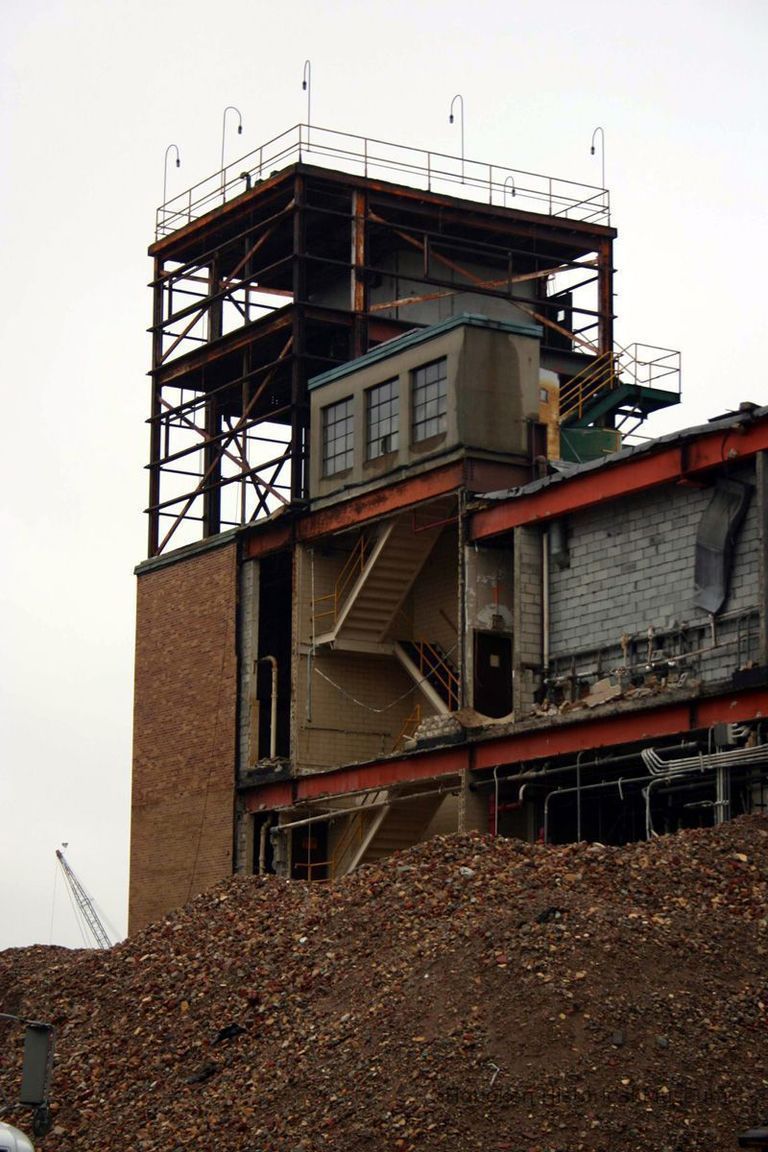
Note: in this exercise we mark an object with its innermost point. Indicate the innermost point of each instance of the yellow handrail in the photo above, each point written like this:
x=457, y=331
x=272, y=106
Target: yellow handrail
x=598, y=376
x=352, y=569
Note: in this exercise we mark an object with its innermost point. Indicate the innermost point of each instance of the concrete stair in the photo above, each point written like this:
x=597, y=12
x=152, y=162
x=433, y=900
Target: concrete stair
x=398, y=555
x=402, y=825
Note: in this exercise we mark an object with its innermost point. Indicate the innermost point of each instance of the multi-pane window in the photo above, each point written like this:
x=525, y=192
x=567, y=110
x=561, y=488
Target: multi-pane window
x=382, y=419
x=429, y=399
x=338, y=437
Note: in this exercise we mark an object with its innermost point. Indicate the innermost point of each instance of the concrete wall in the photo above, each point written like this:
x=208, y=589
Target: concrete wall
x=433, y=601
x=341, y=700
x=342, y=715
x=492, y=394
x=528, y=618
x=404, y=277
x=631, y=568
x=184, y=732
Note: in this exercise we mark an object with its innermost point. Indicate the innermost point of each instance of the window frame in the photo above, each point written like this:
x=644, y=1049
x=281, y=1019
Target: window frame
x=374, y=444
x=340, y=459
x=426, y=425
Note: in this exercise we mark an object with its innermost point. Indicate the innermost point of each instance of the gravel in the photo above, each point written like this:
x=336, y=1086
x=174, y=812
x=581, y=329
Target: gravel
x=469, y=994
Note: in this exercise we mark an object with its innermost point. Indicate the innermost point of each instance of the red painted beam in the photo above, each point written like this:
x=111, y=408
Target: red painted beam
x=634, y=474
x=567, y=739
x=384, y=501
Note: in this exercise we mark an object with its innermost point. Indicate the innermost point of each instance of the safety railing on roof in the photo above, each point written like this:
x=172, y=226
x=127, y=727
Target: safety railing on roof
x=640, y=364
x=378, y=159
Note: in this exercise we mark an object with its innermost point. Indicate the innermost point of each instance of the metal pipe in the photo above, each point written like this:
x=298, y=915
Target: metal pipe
x=263, y=847
x=586, y=788
x=306, y=84
x=229, y=108
x=531, y=775
x=165, y=169
x=273, y=706
x=602, y=151
x=458, y=96
x=337, y=812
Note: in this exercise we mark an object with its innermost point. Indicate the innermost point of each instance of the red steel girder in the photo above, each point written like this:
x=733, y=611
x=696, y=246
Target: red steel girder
x=646, y=724
x=669, y=465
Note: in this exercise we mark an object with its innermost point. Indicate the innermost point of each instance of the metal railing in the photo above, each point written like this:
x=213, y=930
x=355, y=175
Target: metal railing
x=410, y=724
x=643, y=365
x=328, y=605
x=378, y=159
x=434, y=668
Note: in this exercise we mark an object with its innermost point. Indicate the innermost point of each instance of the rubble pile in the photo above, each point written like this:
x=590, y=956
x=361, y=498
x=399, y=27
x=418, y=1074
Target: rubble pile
x=469, y=994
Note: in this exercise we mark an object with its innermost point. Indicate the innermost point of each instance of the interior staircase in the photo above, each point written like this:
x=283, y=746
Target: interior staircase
x=364, y=614
x=400, y=824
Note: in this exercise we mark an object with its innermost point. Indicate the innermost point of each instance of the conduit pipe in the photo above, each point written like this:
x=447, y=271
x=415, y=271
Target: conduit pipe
x=730, y=758
x=273, y=706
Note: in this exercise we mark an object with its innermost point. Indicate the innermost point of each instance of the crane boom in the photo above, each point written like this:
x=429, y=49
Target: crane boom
x=84, y=904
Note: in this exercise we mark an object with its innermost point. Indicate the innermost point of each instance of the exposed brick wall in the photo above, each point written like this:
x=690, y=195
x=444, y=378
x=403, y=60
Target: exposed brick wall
x=184, y=732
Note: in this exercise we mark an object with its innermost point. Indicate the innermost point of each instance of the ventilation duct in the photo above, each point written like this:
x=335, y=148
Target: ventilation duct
x=715, y=543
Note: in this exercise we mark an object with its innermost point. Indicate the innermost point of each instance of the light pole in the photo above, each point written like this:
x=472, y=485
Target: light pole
x=165, y=169
x=458, y=96
x=306, y=84
x=506, y=182
x=229, y=108
x=602, y=151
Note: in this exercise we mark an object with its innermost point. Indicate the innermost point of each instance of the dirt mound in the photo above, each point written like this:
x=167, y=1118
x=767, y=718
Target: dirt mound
x=468, y=994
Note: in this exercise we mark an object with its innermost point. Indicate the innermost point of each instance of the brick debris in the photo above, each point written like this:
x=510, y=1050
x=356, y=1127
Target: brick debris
x=471, y=993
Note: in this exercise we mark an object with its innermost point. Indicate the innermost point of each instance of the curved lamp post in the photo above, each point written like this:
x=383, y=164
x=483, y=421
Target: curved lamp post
x=229, y=108
x=459, y=97
x=306, y=84
x=165, y=169
x=602, y=151
x=507, y=180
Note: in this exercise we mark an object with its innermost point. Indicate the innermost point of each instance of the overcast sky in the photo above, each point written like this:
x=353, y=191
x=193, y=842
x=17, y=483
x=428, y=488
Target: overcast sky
x=93, y=92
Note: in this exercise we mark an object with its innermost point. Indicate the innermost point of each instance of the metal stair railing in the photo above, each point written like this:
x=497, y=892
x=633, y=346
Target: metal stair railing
x=410, y=724
x=644, y=365
x=328, y=604
x=597, y=377
x=353, y=833
x=434, y=666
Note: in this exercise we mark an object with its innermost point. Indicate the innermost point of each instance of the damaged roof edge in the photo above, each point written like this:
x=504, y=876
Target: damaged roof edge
x=748, y=416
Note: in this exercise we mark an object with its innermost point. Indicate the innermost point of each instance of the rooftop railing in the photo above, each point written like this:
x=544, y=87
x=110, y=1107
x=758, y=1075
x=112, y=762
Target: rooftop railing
x=377, y=159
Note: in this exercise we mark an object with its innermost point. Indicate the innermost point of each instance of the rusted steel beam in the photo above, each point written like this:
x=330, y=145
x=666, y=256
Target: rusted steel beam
x=641, y=726
x=605, y=296
x=167, y=373
x=615, y=480
x=478, y=475
x=212, y=466
x=511, y=279
x=478, y=282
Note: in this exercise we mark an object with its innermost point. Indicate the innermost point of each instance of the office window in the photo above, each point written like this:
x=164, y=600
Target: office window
x=382, y=419
x=430, y=399
x=338, y=437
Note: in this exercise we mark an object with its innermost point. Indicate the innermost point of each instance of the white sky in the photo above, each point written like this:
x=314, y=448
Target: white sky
x=93, y=91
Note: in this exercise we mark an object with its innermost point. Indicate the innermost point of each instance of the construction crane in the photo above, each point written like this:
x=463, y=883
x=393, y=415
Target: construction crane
x=84, y=904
